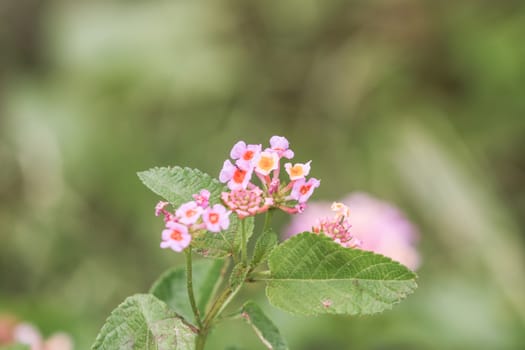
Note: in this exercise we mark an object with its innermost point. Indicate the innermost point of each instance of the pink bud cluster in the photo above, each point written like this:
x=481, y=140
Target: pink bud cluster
x=247, y=199
x=190, y=218
x=337, y=227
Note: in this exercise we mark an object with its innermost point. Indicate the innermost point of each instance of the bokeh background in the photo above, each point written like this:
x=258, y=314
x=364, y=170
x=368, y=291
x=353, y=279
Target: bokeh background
x=420, y=103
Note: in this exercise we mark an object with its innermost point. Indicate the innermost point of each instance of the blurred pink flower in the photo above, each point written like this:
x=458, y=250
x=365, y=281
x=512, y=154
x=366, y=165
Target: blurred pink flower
x=381, y=227
x=26, y=333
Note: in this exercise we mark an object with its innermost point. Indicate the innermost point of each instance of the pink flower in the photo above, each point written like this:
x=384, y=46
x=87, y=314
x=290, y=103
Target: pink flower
x=246, y=199
x=246, y=155
x=280, y=144
x=267, y=162
x=189, y=213
x=203, y=198
x=297, y=171
x=381, y=227
x=337, y=227
x=175, y=236
x=246, y=202
x=236, y=177
x=159, y=208
x=302, y=190
x=26, y=333
x=216, y=218
x=59, y=341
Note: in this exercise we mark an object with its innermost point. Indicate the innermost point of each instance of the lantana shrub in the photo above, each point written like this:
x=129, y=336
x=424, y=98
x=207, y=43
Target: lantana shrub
x=320, y=271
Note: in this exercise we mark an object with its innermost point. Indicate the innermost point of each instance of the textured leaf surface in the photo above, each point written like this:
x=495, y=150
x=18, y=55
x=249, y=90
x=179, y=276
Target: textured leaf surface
x=263, y=326
x=224, y=243
x=143, y=322
x=310, y=274
x=171, y=286
x=177, y=185
x=263, y=247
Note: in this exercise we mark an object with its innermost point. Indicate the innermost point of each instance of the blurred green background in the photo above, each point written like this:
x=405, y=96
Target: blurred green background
x=421, y=103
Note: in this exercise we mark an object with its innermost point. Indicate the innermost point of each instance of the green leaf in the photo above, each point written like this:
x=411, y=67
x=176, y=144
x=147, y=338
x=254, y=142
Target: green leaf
x=224, y=243
x=177, y=185
x=263, y=247
x=311, y=275
x=171, y=288
x=263, y=326
x=144, y=322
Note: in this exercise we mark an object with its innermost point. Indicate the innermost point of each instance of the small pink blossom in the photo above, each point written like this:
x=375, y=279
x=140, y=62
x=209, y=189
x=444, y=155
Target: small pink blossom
x=302, y=190
x=267, y=162
x=246, y=155
x=189, y=213
x=203, y=198
x=297, y=171
x=280, y=144
x=159, y=208
x=216, y=218
x=175, y=236
x=236, y=177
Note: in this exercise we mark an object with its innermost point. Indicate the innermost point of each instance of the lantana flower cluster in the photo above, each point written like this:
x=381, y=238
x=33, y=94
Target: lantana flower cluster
x=191, y=218
x=246, y=198
x=380, y=226
x=337, y=227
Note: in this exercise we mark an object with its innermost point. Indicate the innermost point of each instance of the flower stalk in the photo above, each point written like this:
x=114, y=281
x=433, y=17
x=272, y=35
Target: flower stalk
x=189, y=285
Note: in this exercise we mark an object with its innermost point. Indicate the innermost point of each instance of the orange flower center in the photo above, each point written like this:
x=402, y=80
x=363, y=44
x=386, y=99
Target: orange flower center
x=296, y=170
x=176, y=235
x=214, y=218
x=266, y=163
x=190, y=213
x=239, y=175
x=247, y=155
x=304, y=189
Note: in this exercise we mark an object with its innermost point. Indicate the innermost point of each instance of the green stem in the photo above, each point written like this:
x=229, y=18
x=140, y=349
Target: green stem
x=244, y=244
x=189, y=284
x=258, y=276
x=267, y=220
x=215, y=311
x=221, y=302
